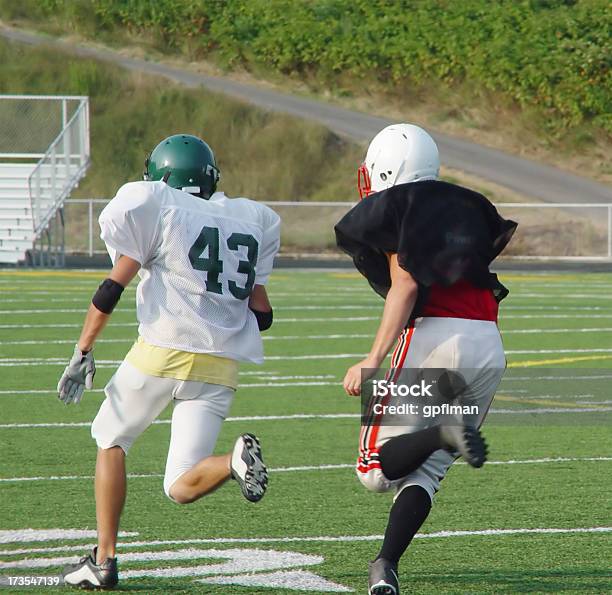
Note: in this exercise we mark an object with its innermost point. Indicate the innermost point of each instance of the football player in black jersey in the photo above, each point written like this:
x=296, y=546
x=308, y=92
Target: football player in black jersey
x=425, y=246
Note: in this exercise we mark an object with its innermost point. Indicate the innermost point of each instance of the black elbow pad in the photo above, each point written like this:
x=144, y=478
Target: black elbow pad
x=264, y=319
x=107, y=296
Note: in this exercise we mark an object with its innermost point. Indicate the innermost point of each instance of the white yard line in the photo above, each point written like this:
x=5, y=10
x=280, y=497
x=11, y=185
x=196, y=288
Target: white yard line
x=58, y=311
x=606, y=402
x=573, y=296
x=549, y=316
x=539, y=331
x=267, y=376
x=309, y=539
x=571, y=311
x=274, y=376
x=60, y=325
x=86, y=292
x=278, y=306
x=117, y=324
x=529, y=285
x=41, y=391
x=122, y=324
x=81, y=424
x=302, y=307
x=299, y=307
x=366, y=292
x=29, y=296
x=578, y=350
x=526, y=411
x=24, y=535
x=546, y=410
x=55, y=361
x=60, y=361
x=285, y=384
x=246, y=385
x=132, y=339
x=541, y=461
x=361, y=302
x=571, y=376
x=63, y=341
x=532, y=331
x=505, y=308
x=20, y=297
x=567, y=398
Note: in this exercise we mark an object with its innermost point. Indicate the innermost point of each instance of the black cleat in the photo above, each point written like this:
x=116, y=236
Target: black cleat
x=383, y=579
x=468, y=442
x=86, y=574
x=248, y=469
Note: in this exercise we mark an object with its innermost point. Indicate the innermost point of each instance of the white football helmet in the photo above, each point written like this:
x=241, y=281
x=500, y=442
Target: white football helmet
x=398, y=154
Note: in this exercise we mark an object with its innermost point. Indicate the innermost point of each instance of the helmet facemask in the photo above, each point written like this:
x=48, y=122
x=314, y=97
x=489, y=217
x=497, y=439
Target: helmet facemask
x=364, y=182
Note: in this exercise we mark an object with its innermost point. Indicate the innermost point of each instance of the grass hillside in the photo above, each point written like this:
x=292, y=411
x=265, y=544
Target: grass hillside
x=261, y=155
x=531, y=76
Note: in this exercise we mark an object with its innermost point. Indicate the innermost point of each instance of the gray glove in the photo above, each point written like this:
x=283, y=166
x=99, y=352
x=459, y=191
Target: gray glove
x=77, y=376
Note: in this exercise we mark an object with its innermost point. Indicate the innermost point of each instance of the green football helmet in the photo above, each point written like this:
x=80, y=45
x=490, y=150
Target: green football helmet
x=184, y=162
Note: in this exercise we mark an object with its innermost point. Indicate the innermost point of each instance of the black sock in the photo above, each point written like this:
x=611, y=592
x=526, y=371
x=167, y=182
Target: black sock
x=403, y=454
x=408, y=513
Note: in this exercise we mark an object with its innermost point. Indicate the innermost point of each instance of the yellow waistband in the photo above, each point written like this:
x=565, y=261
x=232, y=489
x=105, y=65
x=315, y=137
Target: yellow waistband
x=183, y=365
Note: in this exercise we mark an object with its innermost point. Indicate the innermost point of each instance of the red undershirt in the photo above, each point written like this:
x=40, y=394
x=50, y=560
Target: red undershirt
x=461, y=300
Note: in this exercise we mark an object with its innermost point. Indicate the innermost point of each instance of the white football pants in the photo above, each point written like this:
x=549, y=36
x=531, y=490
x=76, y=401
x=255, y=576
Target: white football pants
x=134, y=400
x=472, y=346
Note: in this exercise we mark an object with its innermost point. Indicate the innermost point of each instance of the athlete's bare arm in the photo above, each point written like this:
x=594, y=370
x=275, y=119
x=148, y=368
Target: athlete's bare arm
x=259, y=299
x=123, y=272
x=398, y=307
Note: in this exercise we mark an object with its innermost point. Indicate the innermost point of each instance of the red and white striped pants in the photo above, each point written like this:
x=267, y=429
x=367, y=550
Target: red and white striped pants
x=472, y=346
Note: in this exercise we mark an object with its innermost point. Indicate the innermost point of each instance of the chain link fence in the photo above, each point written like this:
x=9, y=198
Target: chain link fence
x=60, y=168
x=560, y=231
x=546, y=231
x=30, y=123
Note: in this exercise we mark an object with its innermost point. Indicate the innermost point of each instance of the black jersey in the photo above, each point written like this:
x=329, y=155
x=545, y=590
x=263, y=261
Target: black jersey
x=441, y=233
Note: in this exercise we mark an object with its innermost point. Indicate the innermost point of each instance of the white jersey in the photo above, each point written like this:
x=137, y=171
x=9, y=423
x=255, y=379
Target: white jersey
x=200, y=260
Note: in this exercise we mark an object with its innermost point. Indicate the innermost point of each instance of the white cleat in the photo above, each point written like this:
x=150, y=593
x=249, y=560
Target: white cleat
x=86, y=574
x=248, y=469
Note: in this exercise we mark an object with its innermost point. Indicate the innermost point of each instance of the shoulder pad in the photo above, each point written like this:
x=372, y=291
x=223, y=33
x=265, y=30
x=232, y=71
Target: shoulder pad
x=140, y=191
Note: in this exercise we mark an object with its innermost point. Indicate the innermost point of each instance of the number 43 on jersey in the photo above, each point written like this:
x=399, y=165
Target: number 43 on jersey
x=213, y=265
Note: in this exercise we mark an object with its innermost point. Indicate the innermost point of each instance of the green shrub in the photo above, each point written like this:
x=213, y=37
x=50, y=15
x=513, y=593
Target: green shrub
x=553, y=56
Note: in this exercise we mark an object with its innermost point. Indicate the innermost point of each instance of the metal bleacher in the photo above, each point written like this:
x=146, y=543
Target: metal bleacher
x=44, y=153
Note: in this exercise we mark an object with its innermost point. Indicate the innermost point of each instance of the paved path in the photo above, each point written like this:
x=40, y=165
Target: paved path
x=526, y=177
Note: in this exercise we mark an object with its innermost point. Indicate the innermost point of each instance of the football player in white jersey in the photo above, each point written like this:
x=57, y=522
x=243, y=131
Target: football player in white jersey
x=203, y=260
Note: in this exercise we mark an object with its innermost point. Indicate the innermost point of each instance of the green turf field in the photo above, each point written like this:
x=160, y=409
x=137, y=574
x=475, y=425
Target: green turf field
x=317, y=526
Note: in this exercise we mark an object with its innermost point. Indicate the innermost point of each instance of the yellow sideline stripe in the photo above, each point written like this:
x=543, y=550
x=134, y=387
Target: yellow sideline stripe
x=503, y=276
x=532, y=277
x=561, y=360
x=345, y=275
x=541, y=402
